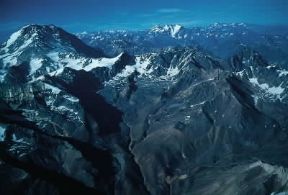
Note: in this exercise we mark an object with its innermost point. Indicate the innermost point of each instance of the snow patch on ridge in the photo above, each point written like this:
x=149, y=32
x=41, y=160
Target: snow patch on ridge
x=173, y=71
x=143, y=67
x=54, y=90
x=140, y=66
x=2, y=132
x=13, y=38
x=54, y=56
x=80, y=63
x=196, y=105
x=282, y=73
x=273, y=91
x=35, y=64
x=102, y=62
x=175, y=30
x=71, y=98
x=10, y=59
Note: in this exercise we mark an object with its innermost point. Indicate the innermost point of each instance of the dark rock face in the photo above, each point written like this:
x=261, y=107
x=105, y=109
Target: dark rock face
x=18, y=74
x=175, y=121
x=204, y=118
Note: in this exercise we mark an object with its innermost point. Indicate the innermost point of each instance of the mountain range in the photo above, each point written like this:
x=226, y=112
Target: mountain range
x=169, y=110
x=219, y=39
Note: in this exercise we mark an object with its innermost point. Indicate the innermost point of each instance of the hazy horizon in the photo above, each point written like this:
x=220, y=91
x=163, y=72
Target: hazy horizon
x=4, y=34
x=95, y=15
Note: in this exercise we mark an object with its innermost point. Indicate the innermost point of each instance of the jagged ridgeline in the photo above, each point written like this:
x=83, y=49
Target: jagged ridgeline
x=170, y=110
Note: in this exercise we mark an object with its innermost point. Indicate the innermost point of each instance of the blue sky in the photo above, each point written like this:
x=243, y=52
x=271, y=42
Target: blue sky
x=91, y=15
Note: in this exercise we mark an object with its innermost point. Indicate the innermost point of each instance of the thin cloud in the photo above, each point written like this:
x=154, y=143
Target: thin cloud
x=170, y=10
x=163, y=12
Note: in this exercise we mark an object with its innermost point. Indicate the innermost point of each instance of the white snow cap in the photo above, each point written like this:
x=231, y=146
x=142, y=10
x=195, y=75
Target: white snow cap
x=173, y=30
x=13, y=38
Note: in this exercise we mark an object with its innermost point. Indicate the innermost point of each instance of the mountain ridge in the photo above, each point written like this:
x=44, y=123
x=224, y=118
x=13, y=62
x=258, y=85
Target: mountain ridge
x=177, y=120
x=220, y=39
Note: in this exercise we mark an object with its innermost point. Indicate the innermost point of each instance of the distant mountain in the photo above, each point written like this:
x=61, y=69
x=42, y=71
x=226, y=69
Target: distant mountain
x=160, y=118
x=220, y=39
x=171, y=30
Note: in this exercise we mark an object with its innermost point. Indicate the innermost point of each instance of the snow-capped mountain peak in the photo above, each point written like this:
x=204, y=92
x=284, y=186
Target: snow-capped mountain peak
x=173, y=30
x=33, y=45
x=28, y=34
x=13, y=38
x=43, y=38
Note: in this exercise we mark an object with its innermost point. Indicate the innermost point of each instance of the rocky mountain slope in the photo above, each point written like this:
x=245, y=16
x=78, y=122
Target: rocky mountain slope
x=175, y=120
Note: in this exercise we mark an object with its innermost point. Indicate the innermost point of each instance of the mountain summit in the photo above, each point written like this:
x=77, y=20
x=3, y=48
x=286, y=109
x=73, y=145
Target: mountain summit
x=42, y=47
x=36, y=39
x=172, y=30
